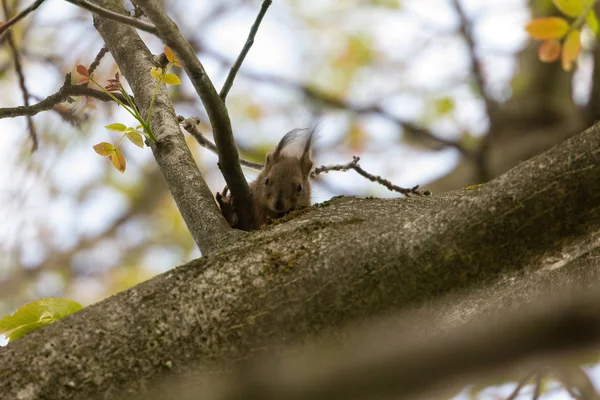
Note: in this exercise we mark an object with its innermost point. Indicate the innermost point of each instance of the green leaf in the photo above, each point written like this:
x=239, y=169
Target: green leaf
x=571, y=8
x=136, y=138
x=34, y=315
x=171, y=79
x=444, y=105
x=116, y=127
x=592, y=22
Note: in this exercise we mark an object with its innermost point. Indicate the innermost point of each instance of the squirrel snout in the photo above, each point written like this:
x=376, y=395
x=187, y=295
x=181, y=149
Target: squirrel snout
x=280, y=205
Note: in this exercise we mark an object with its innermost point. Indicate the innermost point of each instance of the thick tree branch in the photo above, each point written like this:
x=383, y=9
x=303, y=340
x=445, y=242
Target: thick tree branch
x=118, y=17
x=249, y=42
x=193, y=197
x=346, y=260
x=217, y=111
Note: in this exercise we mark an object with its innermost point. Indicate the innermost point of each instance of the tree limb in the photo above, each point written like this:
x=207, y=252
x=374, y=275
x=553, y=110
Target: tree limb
x=191, y=193
x=8, y=24
x=344, y=261
x=217, y=112
x=249, y=42
x=60, y=96
x=105, y=13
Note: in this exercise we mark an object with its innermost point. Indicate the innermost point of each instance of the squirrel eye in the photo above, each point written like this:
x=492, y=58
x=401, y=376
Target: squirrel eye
x=299, y=188
x=266, y=181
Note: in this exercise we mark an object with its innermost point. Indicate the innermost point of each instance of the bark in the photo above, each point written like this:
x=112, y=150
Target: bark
x=338, y=263
x=191, y=193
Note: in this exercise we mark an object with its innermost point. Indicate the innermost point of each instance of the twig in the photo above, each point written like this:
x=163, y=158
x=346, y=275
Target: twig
x=477, y=72
x=97, y=60
x=249, y=42
x=63, y=94
x=190, y=125
x=126, y=19
x=21, y=75
x=229, y=162
x=373, y=178
x=520, y=385
x=538, y=387
x=8, y=24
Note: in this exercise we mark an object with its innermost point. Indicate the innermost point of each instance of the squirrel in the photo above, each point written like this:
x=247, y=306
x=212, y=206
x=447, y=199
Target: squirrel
x=281, y=186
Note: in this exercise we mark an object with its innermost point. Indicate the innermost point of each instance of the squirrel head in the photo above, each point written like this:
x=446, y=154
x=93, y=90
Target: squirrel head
x=285, y=178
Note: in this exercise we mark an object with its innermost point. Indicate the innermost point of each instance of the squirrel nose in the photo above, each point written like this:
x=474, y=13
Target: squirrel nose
x=279, y=205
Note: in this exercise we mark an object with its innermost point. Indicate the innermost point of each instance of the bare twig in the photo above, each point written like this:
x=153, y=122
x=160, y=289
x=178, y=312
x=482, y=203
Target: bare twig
x=8, y=24
x=373, y=178
x=190, y=125
x=538, y=387
x=21, y=75
x=97, y=60
x=215, y=107
x=63, y=94
x=126, y=19
x=249, y=42
x=520, y=385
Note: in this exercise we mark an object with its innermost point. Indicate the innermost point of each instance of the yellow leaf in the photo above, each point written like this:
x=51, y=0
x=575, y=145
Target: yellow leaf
x=171, y=79
x=117, y=127
x=156, y=72
x=549, y=50
x=171, y=56
x=104, y=149
x=547, y=28
x=571, y=50
x=118, y=160
x=592, y=22
x=571, y=8
x=136, y=138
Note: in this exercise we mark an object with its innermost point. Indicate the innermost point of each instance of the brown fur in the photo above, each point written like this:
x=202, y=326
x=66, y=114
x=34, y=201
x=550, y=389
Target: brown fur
x=281, y=186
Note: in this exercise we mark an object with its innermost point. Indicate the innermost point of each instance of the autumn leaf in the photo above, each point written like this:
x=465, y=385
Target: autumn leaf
x=156, y=72
x=135, y=138
x=571, y=8
x=118, y=160
x=104, y=149
x=117, y=127
x=549, y=50
x=547, y=28
x=571, y=50
x=171, y=79
x=171, y=56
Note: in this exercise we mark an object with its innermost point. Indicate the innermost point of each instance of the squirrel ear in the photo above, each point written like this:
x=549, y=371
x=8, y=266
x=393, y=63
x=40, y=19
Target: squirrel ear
x=306, y=164
x=268, y=160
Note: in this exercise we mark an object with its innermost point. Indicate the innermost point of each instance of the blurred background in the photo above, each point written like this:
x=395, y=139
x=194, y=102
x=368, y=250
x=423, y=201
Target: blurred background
x=425, y=92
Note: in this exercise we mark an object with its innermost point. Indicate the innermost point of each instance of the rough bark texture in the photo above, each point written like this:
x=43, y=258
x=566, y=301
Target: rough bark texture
x=343, y=261
x=193, y=197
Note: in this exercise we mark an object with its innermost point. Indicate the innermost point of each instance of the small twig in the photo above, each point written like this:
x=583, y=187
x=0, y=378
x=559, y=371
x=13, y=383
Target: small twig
x=538, y=387
x=373, y=178
x=249, y=42
x=522, y=383
x=126, y=19
x=63, y=94
x=190, y=125
x=21, y=75
x=8, y=24
x=97, y=60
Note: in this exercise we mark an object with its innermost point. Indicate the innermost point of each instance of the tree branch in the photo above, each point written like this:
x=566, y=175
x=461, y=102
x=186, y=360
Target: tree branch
x=346, y=260
x=105, y=13
x=62, y=95
x=217, y=112
x=21, y=75
x=192, y=195
x=249, y=42
x=8, y=24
